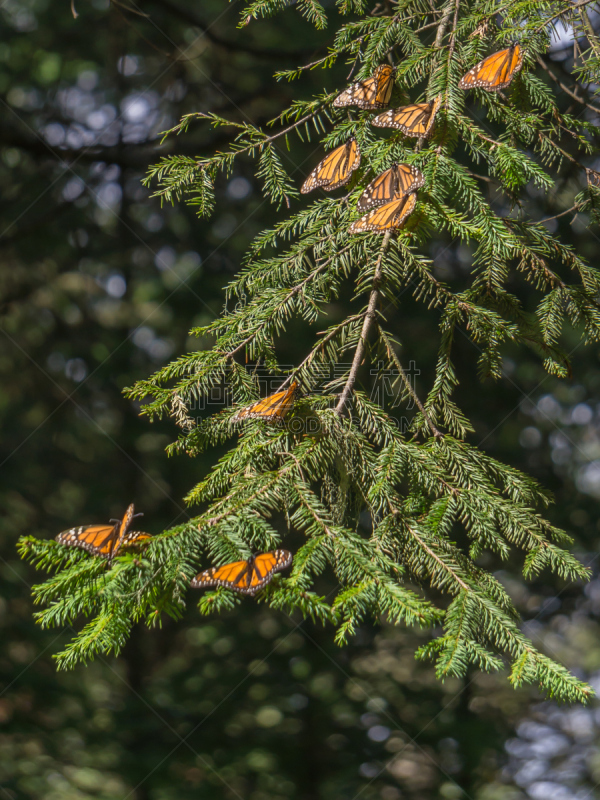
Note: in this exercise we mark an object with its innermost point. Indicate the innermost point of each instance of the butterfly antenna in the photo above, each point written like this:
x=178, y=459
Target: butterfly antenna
x=115, y=521
x=139, y=514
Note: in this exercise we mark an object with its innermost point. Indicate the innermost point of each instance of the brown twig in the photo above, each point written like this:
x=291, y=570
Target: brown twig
x=590, y=32
x=370, y=317
x=189, y=16
x=453, y=36
x=576, y=207
x=426, y=27
x=574, y=7
x=439, y=38
x=135, y=11
x=485, y=178
x=566, y=155
x=176, y=59
x=443, y=24
x=565, y=88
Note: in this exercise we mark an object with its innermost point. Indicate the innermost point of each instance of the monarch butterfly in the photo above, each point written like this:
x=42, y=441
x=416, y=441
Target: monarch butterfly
x=414, y=120
x=390, y=185
x=104, y=540
x=494, y=72
x=373, y=93
x=335, y=169
x=272, y=408
x=245, y=577
x=593, y=177
x=391, y=215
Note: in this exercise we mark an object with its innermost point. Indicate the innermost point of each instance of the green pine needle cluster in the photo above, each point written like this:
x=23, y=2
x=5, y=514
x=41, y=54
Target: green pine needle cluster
x=346, y=460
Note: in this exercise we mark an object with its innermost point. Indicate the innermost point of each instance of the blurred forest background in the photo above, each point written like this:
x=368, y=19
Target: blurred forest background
x=98, y=286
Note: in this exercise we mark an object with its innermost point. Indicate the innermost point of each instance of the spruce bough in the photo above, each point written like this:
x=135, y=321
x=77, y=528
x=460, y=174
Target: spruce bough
x=418, y=487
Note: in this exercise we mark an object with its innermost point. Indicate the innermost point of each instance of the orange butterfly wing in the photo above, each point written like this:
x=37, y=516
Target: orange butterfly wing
x=385, y=85
x=413, y=120
x=264, y=566
x=272, y=408
x=391, y=215
x=496, y=71
x=128, y=538
x=96, y=539
x=390, y=185
x=104, y=540
x=245, y=577
x=229, y=575
x=131, y=539
x=373, y=93
x=335, y=169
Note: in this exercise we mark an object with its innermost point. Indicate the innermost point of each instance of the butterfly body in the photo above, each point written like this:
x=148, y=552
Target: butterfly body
x=104, y=540
x=272, y=408
x=371, y=94
x=392, y=184
x=335, y=169
x=496, y=71
x=390, y=215
x=246, y=577
x=415, y=119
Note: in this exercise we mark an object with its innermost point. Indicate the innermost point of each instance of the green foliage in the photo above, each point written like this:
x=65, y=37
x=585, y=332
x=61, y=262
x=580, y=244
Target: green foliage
x=381, y=512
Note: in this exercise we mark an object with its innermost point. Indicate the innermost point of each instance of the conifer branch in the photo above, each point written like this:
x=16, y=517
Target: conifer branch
x=545, y=138
x=320, y=345
x=279, y=134
x=292, y=292
x=420, y=488
x=409, y=388
x=432, y=554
